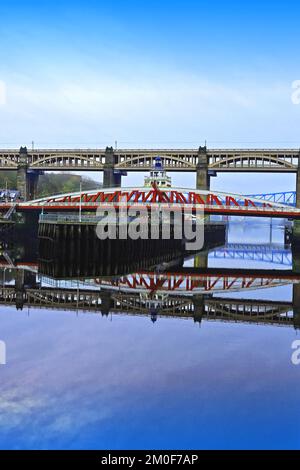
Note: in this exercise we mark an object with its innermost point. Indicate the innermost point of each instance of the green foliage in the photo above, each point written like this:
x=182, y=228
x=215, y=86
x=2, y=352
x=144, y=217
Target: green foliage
x=8, y=178
x=51, y=183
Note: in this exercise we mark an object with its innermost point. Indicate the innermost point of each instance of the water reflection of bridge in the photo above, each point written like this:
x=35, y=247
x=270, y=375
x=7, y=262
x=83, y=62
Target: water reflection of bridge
x=269, y=253
x=195, y=307
x=161, y=282
x=104, y=296
x=200, y=280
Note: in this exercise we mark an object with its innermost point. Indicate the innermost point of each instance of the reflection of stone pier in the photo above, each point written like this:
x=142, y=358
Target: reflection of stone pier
x=201, y=260
x=106, y=301
x=199, y=308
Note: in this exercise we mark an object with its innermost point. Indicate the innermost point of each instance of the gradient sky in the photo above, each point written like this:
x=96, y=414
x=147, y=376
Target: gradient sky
x=152, y=74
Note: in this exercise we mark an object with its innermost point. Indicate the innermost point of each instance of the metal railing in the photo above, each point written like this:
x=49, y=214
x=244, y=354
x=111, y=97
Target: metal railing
x=69, y=218
x=161, y=206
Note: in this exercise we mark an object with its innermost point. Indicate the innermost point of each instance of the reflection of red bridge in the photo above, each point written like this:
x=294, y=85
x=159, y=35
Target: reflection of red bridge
x=210, y=202
x=188, y=281
x=212, y=280
x=170, y=294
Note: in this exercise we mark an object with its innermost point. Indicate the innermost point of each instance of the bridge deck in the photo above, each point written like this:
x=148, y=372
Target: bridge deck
x=266, y=160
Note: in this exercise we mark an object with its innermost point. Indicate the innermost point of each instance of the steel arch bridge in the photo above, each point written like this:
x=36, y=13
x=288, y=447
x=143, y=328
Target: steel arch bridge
x=211, y=202
x=287, y=197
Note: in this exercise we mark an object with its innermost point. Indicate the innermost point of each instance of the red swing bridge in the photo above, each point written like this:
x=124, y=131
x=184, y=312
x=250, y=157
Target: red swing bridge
x=211, y=202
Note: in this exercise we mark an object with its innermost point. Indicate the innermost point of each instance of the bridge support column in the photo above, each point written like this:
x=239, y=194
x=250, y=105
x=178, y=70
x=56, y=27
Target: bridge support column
x=198, y=302
x=202, y=177
x=27, y=180
x=296, y=305
x=201, y=260
x=21, y=182
x=32, y=179
x=22, y=173
x=111, y=179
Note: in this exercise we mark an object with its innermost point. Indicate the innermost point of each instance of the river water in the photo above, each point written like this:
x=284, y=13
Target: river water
x=151, y=370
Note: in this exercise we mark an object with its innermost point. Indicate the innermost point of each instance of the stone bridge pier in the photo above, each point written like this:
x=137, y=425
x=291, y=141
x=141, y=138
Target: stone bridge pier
x=27, y=180
x=202, y=176
x=111, y=177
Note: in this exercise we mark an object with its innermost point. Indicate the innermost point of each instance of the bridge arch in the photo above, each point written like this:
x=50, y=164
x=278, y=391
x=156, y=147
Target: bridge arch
x=7, y=162
x=233, y=312
x=67, y=160
x=250, y=161
x=146, y=161
x=168, y=306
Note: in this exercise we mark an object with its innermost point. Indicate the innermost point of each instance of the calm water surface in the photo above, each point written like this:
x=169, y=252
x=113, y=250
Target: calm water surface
x=76, y=379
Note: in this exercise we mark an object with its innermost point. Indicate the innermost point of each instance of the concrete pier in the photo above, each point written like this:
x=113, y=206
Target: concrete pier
x=202, y=177
x=111, y=178
x=27, y=179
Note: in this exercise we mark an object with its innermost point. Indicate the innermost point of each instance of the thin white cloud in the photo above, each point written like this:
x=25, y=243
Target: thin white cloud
x=116, y=96
x=167, y=107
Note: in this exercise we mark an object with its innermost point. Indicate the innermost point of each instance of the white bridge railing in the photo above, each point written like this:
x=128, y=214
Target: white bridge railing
x=167, y=206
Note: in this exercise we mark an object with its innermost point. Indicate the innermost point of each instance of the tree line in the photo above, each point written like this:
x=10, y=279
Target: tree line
x=51, y=183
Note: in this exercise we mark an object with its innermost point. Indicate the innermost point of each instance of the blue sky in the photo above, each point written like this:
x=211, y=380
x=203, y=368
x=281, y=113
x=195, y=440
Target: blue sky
x=151, y=74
